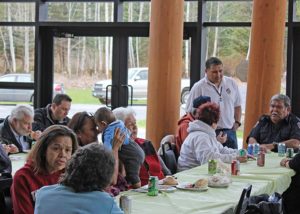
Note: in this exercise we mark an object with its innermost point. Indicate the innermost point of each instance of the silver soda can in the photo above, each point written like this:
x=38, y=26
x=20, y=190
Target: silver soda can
x=255, y=149
x=126, y=204
x=261, y=159
x=281, y=149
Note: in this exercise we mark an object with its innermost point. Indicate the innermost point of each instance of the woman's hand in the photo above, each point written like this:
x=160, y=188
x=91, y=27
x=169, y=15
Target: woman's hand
x=118, y=139
x=222, y=137
x=285, y=162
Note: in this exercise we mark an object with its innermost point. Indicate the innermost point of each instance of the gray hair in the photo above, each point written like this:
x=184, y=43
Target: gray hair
x=20, y=111
x=281, y=97
x=122, y=113
x=90, y=169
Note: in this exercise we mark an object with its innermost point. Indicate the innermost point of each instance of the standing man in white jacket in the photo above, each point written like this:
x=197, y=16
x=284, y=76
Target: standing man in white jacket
x=223, y=91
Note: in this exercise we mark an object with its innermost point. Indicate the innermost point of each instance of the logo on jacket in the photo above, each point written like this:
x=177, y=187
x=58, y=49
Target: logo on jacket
x=228, y=91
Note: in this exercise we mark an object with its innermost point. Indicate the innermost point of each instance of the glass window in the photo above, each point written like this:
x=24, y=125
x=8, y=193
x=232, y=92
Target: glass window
x=7, y=78
x=80, y=12
x=136, y=11
x=82, y=69
x=297, y=15
x=190, y=11
x=17, y=12
x=229, y=11
x=24, y=78
x=16, y=49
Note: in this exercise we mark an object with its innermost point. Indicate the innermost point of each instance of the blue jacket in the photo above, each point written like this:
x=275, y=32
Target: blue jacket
x=64, y=200
x=109, y=131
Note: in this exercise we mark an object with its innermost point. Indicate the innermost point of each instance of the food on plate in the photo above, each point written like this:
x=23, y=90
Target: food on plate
x=170, y=180
x=201, y=183
x=218, y=180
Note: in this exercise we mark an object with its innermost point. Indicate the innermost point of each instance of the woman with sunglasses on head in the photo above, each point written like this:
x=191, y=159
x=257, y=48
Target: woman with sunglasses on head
x=85, y=128
x=45, y=163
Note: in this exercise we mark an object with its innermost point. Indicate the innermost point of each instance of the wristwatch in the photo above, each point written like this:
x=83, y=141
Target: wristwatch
x=275, y=146
x=238, y=122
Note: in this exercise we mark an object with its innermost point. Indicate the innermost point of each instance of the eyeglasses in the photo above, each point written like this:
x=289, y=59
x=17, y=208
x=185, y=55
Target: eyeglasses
x=80, y=121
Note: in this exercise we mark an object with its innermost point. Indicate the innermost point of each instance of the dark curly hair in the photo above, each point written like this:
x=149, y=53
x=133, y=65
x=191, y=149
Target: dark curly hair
x=90, y=169
x=209, y=113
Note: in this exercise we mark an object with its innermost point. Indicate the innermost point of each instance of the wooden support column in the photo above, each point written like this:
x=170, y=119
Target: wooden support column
x=165, y=64
x=266, y=58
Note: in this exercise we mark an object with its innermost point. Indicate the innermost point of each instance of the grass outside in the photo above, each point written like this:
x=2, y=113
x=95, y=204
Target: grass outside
x=82, y=96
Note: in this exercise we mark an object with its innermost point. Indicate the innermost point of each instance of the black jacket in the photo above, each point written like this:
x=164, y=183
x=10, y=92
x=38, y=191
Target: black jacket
x=42, y=119
x=5, y=163
x=8, y=137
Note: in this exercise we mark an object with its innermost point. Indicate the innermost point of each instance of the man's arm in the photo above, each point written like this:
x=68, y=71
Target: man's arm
x=237, y=117
x=292, y=143
x=252, y=140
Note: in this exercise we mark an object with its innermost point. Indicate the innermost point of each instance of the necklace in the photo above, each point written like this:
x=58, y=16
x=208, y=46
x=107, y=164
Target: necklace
x=219, y=93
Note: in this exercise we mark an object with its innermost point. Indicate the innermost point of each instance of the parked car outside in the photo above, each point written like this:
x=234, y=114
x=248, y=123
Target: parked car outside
x=22, y=95
x=138, y=79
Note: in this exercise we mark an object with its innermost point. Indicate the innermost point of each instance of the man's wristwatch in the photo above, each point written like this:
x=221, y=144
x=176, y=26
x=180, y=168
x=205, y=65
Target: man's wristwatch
x=238, y=122
x=275, y=146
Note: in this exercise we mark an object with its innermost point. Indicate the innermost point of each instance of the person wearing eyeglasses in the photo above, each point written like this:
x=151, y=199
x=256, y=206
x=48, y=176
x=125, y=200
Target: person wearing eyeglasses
x=153, y=165
x=280, y=126
x=131, y=155
x=16, y=129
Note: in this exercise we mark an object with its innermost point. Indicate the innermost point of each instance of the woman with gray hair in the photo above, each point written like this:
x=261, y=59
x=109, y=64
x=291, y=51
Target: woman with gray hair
x=153, y=165
x=81, y=188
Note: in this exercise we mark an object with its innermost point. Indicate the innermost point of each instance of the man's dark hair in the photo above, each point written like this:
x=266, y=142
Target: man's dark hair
x=90, y=169
x=212, y=61
x=61, y=97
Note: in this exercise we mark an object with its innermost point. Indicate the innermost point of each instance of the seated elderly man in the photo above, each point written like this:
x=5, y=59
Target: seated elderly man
x=280, y=126
x=16, y=128
x=53, y=114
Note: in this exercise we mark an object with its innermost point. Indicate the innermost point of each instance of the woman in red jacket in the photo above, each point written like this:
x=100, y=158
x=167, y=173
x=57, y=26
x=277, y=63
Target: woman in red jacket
x=45, y=163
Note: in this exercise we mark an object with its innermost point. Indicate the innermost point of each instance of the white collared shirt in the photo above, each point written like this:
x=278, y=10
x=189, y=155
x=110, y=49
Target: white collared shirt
x=227, y=96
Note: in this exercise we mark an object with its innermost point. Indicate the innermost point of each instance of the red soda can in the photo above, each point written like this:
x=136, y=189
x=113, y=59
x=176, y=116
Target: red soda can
x=233, y=168
x=261, y=159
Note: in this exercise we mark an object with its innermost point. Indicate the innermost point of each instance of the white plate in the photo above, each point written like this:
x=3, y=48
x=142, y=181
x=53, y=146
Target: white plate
x=166, y=188
x=161, y=182
x=162, y=188
x=187, y=187
x=218, y=185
